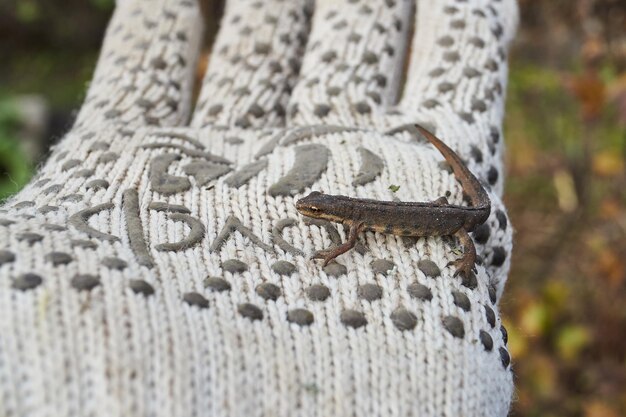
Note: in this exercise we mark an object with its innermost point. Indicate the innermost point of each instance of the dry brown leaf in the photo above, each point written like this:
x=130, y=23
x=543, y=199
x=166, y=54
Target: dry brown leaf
x=590, y=91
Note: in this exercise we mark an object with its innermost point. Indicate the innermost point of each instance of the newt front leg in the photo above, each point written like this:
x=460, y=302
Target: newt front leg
x=465, y=264
x=331, y=253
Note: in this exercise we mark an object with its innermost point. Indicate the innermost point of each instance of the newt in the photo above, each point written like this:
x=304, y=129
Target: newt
x=418, y=219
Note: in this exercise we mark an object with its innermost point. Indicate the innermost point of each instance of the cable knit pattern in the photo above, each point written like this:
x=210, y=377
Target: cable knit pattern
x=152, y=269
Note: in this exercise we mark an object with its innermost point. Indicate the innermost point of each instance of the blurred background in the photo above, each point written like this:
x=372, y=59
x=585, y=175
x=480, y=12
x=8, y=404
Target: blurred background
x=565, y=303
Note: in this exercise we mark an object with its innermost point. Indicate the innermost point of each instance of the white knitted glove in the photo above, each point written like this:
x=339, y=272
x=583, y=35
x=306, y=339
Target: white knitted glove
x=158, y=271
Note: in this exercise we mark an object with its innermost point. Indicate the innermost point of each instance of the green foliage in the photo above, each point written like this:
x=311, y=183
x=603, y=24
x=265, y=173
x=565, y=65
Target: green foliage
x=15, y=170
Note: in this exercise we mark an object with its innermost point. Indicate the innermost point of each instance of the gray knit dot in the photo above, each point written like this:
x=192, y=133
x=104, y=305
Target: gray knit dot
x=457, y=24
x=114, y=263
x=366, y=10
x=492, y=175
x=454, y=325
x=429, y=268
x=99, y=146
x=84, y=173
x=26, y=282
x=333, y=91
x=62, y=155
x=262, y=48
x=234, y=140
x=215, y=109
x=353, y=318
x=375, y=96
x=370, y=57
x=499, y=256
x=403, y=319
x=243, y=122
x=195, y=299
x=481, y=233
x=382, y=266
x=268, y=291
x=470, y=72
x=419, y=291
x=139, y=286
x=486, y=340
x=469, y=281
x=370, y=292
x=479, y=13
x=256, y=110
x=58, y=258
x=491, y=316
x=300, y=316
x=502, y=219
x=250, y=311
x=494, y=134
x=107, y=157
x=85, y=244
x=444, y=87
x=335, y=269
x=97, y=184
x=362, y=107
x=445, y=41
x=467, y=117
x=477, y=42
x=144, y=103
x=318, y=292
x=158, y=63
x=70, y=164
x=461, y=300
x=85, y=282
x=381, y=80
x=505, y=357
x=242, y=91
x=29, y=237
x=505, y=335
x=24, y=204
x=234, y=266
x=42, y=182
x=431, y=103
x=451, y=56
x=6, y=257
x=321, y=110
x=54, y=227
x=437, y=72
x=354, y=37
x=283, y=268
x=217, y=284
x=329, y=56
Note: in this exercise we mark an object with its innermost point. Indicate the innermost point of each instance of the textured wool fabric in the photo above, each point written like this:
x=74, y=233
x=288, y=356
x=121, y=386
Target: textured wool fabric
x=152, y=269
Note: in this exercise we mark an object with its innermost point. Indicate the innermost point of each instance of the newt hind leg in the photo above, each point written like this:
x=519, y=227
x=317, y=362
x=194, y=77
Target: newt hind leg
x=331, y=253
x=465, y=264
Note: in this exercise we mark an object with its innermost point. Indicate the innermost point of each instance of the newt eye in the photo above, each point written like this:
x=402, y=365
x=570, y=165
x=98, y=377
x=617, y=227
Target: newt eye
x=315, y=209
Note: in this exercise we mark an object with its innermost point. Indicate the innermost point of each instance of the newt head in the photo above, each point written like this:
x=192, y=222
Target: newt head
x=318, y=206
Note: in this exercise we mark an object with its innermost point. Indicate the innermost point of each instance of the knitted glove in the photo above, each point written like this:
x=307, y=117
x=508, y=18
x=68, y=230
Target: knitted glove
x=158, y=270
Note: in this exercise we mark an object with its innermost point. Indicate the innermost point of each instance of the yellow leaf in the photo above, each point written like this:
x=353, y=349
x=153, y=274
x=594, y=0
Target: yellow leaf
x=565, y=190
x=607, y=163
x=599, y=409
x=534, y=319
x=571, y=340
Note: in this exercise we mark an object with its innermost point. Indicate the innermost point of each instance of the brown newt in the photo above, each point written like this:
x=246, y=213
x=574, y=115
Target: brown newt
x=435, y=218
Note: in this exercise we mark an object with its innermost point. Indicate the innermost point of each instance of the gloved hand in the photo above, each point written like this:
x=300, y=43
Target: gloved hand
x=160, y=270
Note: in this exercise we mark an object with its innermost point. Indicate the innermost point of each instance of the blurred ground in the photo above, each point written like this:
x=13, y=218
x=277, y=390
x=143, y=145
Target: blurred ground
x=566, y=134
